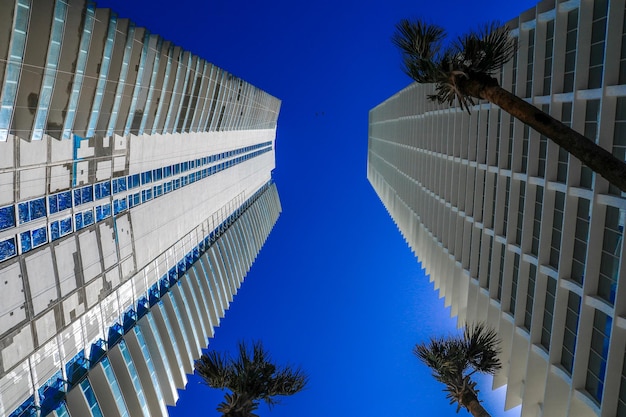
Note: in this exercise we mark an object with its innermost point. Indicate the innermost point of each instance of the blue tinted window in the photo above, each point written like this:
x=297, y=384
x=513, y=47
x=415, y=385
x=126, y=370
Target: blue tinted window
x=79, y=221
x=40, y=236
x=133, y=181
x=119, y=185
x=103, y=190
x=23, y=212
x=37, y=208
x=7, y=249
x=7, y=217
x=176, y=168
x=52, y=203
x=25, y=241
x=119, y=206
x=88, y=217
x=146, y=177
x=157, y=174
x=55, y=231
x=64, y=200
x=167, y=171
x=66, y=226
x=87, y=194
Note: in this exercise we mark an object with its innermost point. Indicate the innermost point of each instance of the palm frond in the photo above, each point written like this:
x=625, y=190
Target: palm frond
x=482, y=348
x=214, y=369
x=486, y=49
x=420, y=43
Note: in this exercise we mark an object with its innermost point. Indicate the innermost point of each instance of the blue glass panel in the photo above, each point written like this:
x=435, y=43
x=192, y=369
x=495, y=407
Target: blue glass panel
x=26, y=409
x=51, y=393
x=76, y=367
x=52, y=203
x=66, y=226
x=37, y=208
x=79, y=221
x=192, y=164
x=176, y=168
x=40, y=236
x=157, y=174
x=86, y=194
x=115, y=334
x=55, y=232
x=133, y=181
x=88, y=217
x=189, y=260
x=164, y=284
x=121, y=184
x=167, y=171
x=154, y=293
x=102, y=190
x=7, y=217
x=77, y=199
x=23, y=212
x=64, y=200
x=196, y=253
x=142, y=307
x=106, y=210
x=25, y=241
x=177, y=183
x=97, y=351
x=130, y=318
x=182, y=267
x=7, y=249
x=99, y=213
x=146, y=177
x=172, y=274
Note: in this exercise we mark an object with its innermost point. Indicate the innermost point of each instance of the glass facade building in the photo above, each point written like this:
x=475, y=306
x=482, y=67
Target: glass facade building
x=511, y=229
x=135, y=193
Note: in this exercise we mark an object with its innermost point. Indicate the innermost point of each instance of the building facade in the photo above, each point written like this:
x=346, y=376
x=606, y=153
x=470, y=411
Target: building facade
x=135, y=193
x=512, y=229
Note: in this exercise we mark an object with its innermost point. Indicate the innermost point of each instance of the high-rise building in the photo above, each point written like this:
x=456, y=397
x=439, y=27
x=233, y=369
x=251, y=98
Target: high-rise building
x=135, y=193
x=512, y=229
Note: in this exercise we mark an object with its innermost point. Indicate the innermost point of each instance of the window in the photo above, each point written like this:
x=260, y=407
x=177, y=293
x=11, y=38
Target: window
x=83, y=195
x=557, y=229
x=525, y=144
x=570, y=51
x=31, y=210
x=520, y=213
x=619, y=134
x=598, y=33
x=611, y=253
x=580, y=241
x=592, y=114
x=59, y=202
x=571, y=328
x=621, y=401
x=548, y=313
x=543, y=148
x=596, y=369
x=530, y=297
x=537, y=222
x=8, y=248
x=529, y=68
x=506, y=205
x=7, y=217
x=514, y=284
x=501, y=272
x=566, y=118
x=547, y=63
x=102, y=190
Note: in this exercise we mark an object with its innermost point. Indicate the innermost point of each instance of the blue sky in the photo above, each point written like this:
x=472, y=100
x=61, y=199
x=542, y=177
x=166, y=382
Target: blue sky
x=335, y=289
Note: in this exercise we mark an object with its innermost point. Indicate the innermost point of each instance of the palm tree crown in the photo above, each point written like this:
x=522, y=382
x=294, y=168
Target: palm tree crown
x=251, y=377
x=454, y=360
x=463, y=71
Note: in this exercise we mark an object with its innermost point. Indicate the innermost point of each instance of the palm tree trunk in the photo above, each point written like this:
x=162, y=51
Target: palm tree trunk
x=470, y=401
x=587, y=151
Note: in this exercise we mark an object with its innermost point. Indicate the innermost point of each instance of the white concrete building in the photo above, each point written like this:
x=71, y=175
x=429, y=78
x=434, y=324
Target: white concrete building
x=513, y=230
x=135, y=194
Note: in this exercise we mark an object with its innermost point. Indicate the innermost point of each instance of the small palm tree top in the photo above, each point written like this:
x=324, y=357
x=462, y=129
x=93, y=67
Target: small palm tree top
x=454, y=360
x=477, y=54
x=251, y=376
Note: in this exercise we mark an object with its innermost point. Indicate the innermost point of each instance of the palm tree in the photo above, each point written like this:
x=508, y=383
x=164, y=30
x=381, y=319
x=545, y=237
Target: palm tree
x=454, y=360
x=463, y=71
x=251, y=377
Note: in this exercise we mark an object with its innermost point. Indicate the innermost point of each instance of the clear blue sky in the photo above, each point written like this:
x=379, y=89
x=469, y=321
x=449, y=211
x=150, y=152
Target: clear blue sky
x=335, y=289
